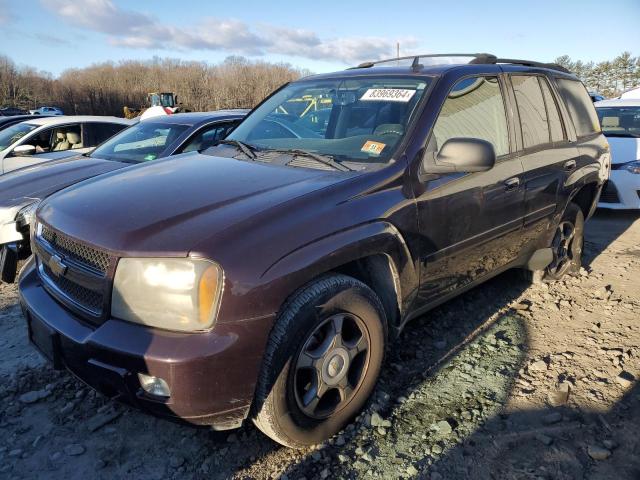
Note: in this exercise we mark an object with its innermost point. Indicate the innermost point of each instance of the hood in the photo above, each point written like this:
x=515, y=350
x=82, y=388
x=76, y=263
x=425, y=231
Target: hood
x=168, y=207
x=40, y=181
x=624, y=149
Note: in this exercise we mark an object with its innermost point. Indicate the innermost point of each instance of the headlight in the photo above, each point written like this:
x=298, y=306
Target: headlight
x=633, y=167
x=26, y=216
x=171, y=293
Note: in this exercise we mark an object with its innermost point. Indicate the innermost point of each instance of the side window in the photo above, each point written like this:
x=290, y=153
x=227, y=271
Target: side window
x=96, y=133
x=580, y=106
x=208, y=136
x=474, y=109
x=532, y=111
x=553, y=115
x=41, y=140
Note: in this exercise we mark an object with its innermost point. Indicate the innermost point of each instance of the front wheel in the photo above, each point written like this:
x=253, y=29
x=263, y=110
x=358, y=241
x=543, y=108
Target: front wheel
x=567, y=244
x=322, y=361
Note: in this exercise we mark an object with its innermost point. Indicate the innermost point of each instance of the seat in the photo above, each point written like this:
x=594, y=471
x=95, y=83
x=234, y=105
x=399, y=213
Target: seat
x=611, y=124
x=61, y=142
x=74, y=139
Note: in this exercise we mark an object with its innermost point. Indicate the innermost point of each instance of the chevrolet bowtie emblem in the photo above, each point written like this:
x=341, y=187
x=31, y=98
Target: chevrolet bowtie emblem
x=57, y=266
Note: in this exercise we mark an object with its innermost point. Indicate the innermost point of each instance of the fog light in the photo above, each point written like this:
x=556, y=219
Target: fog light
x=154, y=385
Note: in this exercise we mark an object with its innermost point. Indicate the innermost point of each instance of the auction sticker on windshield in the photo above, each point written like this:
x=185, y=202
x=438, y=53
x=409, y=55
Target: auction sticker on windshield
x=374, y=148
x=388, y=94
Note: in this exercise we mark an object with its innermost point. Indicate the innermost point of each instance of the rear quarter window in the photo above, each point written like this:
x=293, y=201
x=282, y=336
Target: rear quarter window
x=580, y=106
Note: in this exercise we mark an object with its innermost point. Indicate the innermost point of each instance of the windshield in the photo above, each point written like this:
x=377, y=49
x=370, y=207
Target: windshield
x=12, y=134
x=352, y=120
x=142, y=142
x=620, y=121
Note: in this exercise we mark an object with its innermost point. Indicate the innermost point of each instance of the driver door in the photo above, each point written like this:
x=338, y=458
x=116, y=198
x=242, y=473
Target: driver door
x=470, y=222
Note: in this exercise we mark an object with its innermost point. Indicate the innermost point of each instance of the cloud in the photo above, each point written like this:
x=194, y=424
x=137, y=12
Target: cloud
x=131, y=29
x=5, y=12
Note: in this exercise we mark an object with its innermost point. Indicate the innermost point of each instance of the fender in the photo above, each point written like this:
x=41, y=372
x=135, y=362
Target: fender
x=330, y=252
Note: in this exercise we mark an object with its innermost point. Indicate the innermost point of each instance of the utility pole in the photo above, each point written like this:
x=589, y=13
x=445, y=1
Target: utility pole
x=398, y=50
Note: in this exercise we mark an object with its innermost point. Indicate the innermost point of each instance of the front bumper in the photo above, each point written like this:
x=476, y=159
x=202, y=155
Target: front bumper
x=622, y=191
x=211, y=375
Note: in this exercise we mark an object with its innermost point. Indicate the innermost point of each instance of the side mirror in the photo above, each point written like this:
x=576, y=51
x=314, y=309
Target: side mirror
x=24, y=150
x=461, y=155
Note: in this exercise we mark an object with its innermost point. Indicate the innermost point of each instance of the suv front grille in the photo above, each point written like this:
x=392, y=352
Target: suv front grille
x=76, y=274
x=90, y=257
x=609, y=193
x=82, y=296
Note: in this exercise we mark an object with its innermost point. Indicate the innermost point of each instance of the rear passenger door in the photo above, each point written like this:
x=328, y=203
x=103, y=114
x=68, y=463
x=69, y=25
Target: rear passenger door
x=546, y=153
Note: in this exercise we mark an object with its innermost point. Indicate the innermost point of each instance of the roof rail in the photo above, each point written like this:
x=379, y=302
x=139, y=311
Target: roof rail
x=478, y=59
x=416, y=58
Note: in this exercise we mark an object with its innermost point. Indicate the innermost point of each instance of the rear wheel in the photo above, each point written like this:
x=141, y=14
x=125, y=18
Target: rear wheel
x=322, y=361
x=567, y=244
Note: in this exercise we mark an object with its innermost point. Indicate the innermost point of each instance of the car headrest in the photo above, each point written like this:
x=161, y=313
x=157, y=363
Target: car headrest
x=610, y=122
x=60, y=136
x=73, y=137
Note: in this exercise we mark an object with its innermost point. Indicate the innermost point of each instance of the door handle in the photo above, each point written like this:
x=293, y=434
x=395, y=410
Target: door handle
x=512, y=183
x=570, y=165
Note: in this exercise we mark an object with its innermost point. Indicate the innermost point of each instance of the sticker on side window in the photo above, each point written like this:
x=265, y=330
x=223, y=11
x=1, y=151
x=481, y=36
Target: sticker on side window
x=373, y=148
x=388, y=95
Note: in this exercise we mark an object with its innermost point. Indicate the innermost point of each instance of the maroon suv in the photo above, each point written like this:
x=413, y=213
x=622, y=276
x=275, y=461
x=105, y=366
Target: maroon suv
x=265, y=277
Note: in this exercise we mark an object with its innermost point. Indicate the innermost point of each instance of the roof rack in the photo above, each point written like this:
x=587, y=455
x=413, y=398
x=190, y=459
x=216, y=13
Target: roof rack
x=477, y=59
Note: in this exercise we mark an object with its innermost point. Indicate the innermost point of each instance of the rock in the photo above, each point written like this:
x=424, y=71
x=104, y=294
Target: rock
x=100, y=464
x=443, y=427
x=74, y=449
x=522, y=306
x=232, y=438
x=343, y=458
x=538, y=366
x=560, y=396
x=100, y=420
x=625, y=379
x=340, y=441
x=436, y=449
x=16, y=452
x=552, y=418
x=378, y=421
x=176, y=461
x=545, y=439
x=440, y=344
x=68, y=408
x=598, y=453
x=34, y=396
x=411, y=470
x=55, y=456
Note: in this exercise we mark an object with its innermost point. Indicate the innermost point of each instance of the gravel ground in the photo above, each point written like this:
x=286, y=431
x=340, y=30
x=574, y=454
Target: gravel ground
x=506, y=382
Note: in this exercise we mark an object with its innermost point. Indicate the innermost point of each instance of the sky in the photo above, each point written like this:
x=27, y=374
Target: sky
x=324, y=35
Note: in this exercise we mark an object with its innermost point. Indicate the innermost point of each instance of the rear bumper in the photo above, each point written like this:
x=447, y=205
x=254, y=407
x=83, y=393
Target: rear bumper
x=212, y=375
x=622, y=191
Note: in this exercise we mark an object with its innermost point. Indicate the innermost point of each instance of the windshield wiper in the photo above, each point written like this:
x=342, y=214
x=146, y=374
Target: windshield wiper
x=248, y=150
x=324, y=159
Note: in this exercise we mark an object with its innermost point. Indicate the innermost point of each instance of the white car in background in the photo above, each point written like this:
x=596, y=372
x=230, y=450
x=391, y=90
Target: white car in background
x=46, y=111
x=49, y=138
x=620, y=121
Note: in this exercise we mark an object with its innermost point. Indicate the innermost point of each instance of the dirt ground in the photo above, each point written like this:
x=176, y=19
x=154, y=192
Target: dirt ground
x=509, y=381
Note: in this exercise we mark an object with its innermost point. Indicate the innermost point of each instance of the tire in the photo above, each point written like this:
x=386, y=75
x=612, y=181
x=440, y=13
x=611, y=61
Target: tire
x=305, y=361
x=567, y=245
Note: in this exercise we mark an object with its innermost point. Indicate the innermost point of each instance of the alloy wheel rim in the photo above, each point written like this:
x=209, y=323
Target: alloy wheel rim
x=565, y=248
x=331, y=365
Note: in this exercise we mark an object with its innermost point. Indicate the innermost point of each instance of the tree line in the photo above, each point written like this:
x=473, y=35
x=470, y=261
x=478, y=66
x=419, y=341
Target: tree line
x=610, y=78
x=105, y=88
